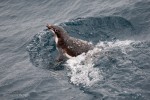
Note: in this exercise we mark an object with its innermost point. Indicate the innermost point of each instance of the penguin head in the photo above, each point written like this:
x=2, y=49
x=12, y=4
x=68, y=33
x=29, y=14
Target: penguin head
x=58, y=31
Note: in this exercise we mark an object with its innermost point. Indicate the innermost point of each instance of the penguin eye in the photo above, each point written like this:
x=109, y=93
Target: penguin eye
x=56, y=30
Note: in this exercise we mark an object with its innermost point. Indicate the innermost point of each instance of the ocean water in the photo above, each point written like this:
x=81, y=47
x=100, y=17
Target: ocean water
x=118, y=68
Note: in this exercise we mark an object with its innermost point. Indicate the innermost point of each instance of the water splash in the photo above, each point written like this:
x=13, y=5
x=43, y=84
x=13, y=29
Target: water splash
x=42, y=50
x=83, y=69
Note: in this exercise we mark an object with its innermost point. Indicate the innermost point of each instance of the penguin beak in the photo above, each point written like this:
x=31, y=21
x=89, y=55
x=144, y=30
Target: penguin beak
x=49, y=26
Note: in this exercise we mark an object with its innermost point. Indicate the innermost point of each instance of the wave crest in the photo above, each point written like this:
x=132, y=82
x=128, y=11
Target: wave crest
x=85, y=70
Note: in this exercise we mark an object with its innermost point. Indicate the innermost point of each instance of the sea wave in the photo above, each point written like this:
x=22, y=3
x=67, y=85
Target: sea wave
x=84, y=69
x=42, y=49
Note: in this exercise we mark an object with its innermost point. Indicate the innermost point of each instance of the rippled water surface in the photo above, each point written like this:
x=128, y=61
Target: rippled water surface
x=118, y=68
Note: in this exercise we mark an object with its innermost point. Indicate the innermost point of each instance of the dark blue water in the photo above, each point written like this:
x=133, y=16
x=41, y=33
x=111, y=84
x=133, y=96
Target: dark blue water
x=118, y=68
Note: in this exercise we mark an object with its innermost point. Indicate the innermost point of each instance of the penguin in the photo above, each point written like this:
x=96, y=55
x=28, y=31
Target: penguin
x=68, y=46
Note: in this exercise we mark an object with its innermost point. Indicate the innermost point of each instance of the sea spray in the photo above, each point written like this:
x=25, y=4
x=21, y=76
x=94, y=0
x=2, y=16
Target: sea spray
x=83, y=69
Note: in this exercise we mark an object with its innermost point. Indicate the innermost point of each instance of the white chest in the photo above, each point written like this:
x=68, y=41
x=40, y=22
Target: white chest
x=56, y=39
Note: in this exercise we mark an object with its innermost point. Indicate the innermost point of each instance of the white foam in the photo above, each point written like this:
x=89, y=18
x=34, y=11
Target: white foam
x=82, y=68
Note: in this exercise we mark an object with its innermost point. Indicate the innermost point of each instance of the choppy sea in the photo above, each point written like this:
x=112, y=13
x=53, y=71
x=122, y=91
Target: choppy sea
x=118, y=68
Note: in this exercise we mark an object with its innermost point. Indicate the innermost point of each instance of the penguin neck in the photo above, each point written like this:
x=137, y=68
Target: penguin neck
x=63, y=38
